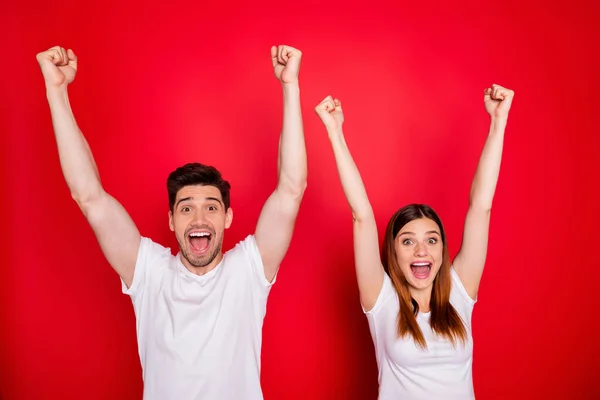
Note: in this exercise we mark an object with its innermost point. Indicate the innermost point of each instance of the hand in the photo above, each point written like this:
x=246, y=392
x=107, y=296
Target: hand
x=286, y=63
x=58, y=65
x=330, y=112
x=497, y=101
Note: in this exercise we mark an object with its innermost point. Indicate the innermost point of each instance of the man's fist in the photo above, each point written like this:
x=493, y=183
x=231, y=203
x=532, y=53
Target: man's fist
x=286, y=63
x=58, y=65
x=497, y=101
x=330, y=112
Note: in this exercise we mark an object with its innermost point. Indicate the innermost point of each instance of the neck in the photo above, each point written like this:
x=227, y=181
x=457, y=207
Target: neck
x=422, y=297
x=201, y=270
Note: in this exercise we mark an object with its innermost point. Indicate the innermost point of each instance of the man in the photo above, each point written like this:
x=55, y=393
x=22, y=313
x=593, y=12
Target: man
x=200, y=313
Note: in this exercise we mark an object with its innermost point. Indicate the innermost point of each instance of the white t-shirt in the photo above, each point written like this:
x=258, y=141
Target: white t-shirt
x=406, y=371
x=199, y=337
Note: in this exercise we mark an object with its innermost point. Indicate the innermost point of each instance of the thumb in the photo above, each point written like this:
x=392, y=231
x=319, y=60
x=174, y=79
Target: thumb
x=46, y=57
x=294, y=62
x=487, y=94
x=72, y=59
x=47, y=63
x=274, y=55
x=507, y=101
x=325, y=106
x=338, y=105
x=321, y=110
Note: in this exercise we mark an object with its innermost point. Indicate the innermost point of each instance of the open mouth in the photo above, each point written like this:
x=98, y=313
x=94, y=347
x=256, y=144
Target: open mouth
x=199, y=241
x=421, y=269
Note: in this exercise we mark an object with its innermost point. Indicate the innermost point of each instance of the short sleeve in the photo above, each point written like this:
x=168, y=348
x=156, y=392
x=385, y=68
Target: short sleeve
x=460, y=299
x=387, y=291
x=148, y=254
x=254, y=258
x=457, y=283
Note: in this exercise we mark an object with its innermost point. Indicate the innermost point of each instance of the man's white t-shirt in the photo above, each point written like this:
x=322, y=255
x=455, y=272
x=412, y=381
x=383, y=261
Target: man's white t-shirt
x=406, y=371
x=199, y=337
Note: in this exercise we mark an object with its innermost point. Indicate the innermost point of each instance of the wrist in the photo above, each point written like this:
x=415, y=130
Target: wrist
x=57, y=95
x=290, y=86
x=334, y=132
x=498, y=123
x=54, y=90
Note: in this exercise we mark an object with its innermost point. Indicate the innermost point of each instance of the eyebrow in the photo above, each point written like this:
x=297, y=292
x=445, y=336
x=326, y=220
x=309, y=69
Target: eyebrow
x=427, y=233
x=192, y=198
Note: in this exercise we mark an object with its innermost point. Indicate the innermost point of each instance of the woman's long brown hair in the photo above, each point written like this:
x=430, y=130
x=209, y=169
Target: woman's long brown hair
x=444, y=320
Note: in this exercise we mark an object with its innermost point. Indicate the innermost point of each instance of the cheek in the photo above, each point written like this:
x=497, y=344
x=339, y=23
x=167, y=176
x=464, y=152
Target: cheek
x=218, y=222
x=180, y=223
x=438, y=255
x=403, y=255
x=179, y=228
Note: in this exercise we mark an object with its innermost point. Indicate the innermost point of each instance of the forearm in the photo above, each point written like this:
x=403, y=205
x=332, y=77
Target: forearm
x=77, y=162
x=292, y=164
x=351, y=180
x=488, y=169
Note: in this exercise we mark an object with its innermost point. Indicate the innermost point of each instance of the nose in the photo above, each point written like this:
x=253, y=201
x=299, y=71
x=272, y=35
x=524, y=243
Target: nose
x=199, y=217
x=420, y=250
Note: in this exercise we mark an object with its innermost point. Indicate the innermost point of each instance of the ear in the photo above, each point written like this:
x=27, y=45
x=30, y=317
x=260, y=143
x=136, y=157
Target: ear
x=171, y=226
x=228, y=217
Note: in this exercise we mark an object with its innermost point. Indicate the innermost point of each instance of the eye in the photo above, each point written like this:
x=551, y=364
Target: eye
x=185, y=209
x=432, y=241
x=212, y=208
x=407, y=241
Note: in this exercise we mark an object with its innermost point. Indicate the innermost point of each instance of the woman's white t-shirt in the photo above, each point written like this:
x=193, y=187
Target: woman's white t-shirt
x=408, y=372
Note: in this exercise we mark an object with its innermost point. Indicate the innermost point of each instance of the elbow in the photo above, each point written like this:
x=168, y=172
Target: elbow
x=480, y=205
x=480, y=200
x=86, y=199
x=293, y=188
x=297, y=192
x=362, y=217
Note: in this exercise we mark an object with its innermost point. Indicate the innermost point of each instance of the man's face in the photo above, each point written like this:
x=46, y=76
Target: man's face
x=199, y=220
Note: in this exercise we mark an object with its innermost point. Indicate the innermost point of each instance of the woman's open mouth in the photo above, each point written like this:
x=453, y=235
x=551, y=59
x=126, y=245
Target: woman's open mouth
x=421, y=269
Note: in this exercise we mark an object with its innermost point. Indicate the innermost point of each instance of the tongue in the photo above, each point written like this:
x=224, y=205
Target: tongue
x=199, y=243
x=421, y=270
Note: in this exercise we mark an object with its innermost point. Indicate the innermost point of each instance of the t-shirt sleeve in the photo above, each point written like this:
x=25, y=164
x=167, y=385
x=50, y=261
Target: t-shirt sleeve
x=460, y=299
x=457, y=283
x=253, y=257
x=387, y=291
x=148, y=256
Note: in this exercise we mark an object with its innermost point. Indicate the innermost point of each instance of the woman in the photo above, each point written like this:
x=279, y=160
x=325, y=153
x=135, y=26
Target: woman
x=417, y=302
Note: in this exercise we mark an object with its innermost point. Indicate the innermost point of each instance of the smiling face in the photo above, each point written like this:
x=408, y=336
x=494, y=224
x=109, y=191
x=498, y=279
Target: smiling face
x=419, y=252
x=199, y=219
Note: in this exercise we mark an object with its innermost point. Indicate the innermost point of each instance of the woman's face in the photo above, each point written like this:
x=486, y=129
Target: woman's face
x=419, y=251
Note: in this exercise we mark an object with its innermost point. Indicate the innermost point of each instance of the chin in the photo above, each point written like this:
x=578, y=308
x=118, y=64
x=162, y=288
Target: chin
x=421, y=284
x=205, y=259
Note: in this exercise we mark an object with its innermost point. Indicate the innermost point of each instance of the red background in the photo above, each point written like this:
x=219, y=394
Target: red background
x=164, y=83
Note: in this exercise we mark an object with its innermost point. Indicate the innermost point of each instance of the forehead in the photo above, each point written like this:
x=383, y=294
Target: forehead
x=198, y=192
x=420, y=226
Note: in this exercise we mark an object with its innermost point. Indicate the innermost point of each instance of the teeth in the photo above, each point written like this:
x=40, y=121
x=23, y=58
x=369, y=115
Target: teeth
x=199, y=234
x=421, y=264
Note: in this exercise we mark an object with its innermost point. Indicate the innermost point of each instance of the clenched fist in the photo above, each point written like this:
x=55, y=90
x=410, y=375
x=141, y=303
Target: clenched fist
x=497, y=101
x=330, y=112
x=286, y=63
x=58, y=65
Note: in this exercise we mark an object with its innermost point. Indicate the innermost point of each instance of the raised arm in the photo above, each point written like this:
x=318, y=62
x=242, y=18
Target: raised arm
x=470, y=260
x=277, y=219
x=369, y=270
x=114, y=229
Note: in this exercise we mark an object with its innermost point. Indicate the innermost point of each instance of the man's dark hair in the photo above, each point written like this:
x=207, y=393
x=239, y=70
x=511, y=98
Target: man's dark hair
x=197, y=174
